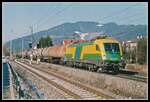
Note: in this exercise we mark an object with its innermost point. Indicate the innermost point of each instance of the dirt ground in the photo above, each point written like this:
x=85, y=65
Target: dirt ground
x=143, y=69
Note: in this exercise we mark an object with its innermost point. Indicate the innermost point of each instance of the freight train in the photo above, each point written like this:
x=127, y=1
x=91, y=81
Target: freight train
x=102, y=54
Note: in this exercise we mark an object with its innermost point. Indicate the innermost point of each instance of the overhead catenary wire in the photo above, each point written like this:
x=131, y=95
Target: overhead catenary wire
x=42, y=19
x=134, y=19
x=117, y=13
x=50, y=11
x=121, y=34
x=113, y=15
x=56, y=13
x=129, y=17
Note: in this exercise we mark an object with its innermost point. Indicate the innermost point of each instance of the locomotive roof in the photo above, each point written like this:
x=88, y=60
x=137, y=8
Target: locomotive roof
x=81, y=44
x=92, y=41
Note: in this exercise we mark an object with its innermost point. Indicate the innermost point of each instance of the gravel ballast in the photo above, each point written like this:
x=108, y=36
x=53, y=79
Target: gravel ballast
x=120, y=86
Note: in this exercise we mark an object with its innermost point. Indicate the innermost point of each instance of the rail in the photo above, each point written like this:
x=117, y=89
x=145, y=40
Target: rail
x=95, y=93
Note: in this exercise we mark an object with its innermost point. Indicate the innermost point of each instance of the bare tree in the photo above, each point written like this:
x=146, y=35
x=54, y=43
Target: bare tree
x=5, y=50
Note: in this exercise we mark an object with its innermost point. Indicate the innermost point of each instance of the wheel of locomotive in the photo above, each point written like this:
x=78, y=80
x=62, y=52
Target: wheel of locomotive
x=72, y=64
x=64, y=63
x=101, y=69
x=85, y=66
x=116, y=71
x=95, y=68
x=80, y=65
x=76, y=64
x=69, y=63
x=90, y=67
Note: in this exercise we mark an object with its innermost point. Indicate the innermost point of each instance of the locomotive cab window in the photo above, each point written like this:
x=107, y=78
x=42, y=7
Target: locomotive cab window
x=111, y=47
x=97, y=48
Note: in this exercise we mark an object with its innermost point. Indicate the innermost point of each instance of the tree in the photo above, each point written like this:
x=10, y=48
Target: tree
x=126, y=53
x=41, y=42
x=45, y=42
x=49, y=41
x=142, y=51
x=5, y=50
x=139, y=52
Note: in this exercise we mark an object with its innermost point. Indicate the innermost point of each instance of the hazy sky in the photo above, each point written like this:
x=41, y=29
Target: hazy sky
x=18, y=17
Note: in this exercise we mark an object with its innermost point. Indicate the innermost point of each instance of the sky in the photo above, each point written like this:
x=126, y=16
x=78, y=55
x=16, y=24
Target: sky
x=18, y=17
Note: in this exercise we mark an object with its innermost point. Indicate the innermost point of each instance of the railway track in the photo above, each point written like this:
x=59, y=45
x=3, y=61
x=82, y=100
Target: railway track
x=127, y=75
x=133, y=77
x=72, y=88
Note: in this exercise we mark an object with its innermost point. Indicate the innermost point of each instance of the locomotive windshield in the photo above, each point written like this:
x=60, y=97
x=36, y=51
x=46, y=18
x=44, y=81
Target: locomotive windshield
x=111, y=47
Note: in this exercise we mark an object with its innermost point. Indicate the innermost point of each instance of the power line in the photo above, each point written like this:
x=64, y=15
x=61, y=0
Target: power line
x=46, y=17
x=130, y=16
x=123, y=33
x=134, y=19
x=38, y=21
x=61, y=10
x=118, y=12
x=58, y=12
x=52, y=9
x=127, y=18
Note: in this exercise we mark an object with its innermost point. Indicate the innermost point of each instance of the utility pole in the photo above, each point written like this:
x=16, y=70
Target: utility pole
x=31, y=44
x=11, y=45
x=22, y=47
x=31, y=34
x=137, y=49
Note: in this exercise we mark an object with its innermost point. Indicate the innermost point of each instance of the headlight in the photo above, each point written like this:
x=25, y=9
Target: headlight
x=104, y=57
x=107, y=63
x=121, y=58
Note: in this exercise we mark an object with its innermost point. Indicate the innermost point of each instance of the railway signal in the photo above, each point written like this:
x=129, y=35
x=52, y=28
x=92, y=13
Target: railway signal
x=30, y=45
x=38, y=45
